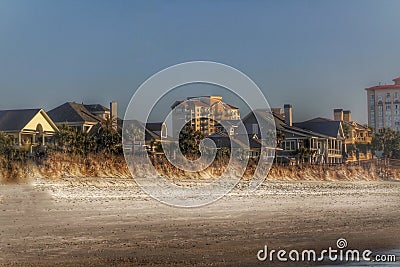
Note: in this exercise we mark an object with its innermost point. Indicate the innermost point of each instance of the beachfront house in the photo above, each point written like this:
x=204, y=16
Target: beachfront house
x=334, y=136
x=30, y=128
x=84, y=117
x=358, y=138
x=153, y=134
x=248, y=143
x=297, y=144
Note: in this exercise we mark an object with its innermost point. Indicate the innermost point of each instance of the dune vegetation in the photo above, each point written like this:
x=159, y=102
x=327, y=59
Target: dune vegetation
x=75, y=154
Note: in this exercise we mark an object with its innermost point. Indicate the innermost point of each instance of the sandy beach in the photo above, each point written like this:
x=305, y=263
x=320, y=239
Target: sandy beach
x=112, y=222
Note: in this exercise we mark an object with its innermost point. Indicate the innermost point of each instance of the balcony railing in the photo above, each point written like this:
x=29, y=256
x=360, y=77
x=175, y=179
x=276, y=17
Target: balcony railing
x=334, y=152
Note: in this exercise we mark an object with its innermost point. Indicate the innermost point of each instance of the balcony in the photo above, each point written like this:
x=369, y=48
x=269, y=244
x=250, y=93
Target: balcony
x=334, y=152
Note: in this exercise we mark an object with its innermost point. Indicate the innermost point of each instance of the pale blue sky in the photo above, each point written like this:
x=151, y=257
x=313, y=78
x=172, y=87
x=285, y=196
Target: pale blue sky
x=317, y=55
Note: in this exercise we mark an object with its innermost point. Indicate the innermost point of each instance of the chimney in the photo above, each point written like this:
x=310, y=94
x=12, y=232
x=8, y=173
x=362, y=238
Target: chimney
x=114, y=114
x=338, y=114
x=288, y=114
x=347, y=115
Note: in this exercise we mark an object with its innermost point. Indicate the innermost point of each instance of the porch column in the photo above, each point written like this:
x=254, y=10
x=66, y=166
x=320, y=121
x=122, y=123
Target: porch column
x=33, y=140
x=327, y=151
x=43, y=140
x=19, y=139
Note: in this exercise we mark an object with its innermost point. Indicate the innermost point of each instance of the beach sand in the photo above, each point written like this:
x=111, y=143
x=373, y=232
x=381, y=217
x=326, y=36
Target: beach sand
x=111, y=222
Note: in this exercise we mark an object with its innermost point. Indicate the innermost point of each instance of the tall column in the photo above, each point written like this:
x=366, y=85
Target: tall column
x=19, y=139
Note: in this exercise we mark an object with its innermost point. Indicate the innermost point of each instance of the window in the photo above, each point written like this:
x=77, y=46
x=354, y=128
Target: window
x=379, y=97
x=388, y=107
x=289, y=145
x=387, y=95
x=396, y=94
x=372, y=97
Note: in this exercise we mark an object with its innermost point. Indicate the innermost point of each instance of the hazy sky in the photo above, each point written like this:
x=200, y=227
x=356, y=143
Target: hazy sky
x=317, y=55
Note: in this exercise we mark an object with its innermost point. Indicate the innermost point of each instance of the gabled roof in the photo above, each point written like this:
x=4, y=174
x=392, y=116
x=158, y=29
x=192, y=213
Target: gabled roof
x=282, y=126
x=321, y=125
x=235, y=141
x=154, y=126
x=21, y=119
x=230, y=106
x=16, y=120
x=356, y=125
x=72, y=112
x=96, y=108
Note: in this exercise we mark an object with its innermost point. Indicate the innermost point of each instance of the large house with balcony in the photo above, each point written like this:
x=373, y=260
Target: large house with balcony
x=358, y=138
x=315, y=142
x=30, y=128
x=333, y=133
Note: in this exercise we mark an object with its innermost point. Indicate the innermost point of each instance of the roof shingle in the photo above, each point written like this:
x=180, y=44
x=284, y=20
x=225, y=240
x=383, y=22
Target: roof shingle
x=72, y=112
x=16, y=120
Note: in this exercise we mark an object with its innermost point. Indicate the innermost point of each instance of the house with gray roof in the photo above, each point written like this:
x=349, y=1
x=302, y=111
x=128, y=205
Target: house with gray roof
x=318, y=144
x=140, y=136
x=29, y=127
x=332, y=129
x=84, y=117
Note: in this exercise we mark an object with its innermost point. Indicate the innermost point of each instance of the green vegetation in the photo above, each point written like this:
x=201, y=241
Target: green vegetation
x=303, y=153
x=387, y=141
x=189, y=141
x=8, y=151
x=70, y=141
x=68, y=147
